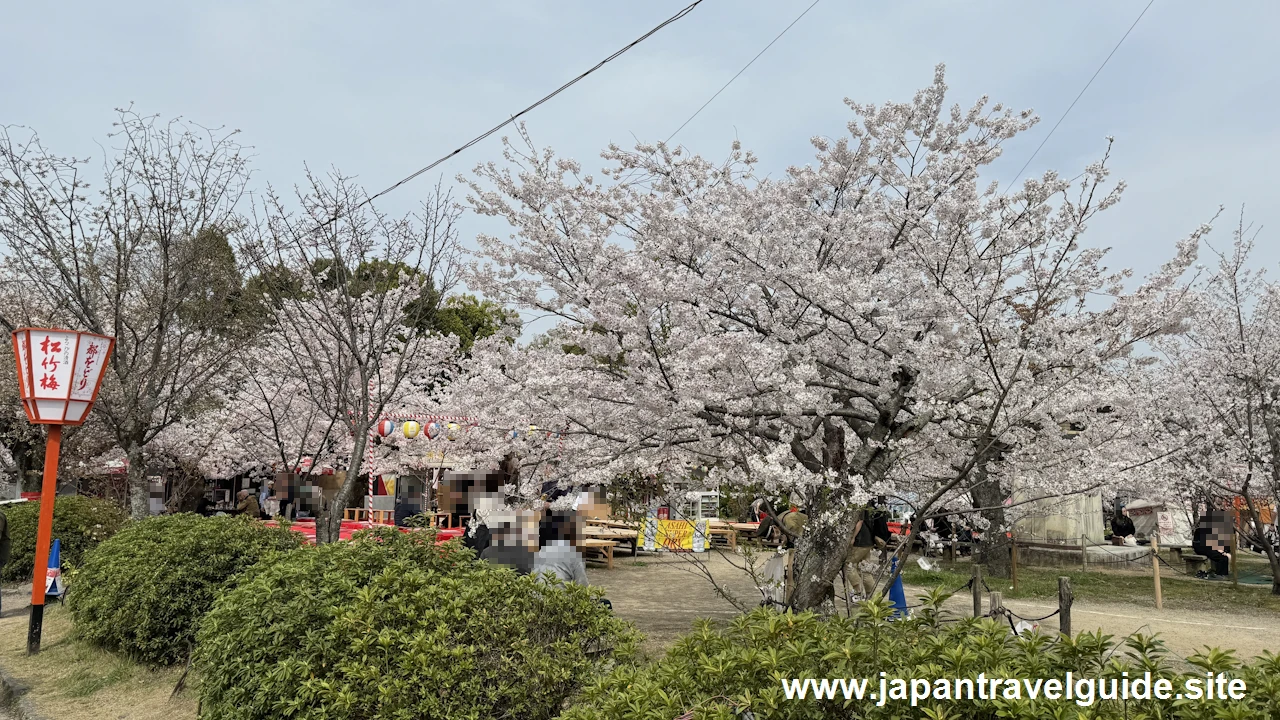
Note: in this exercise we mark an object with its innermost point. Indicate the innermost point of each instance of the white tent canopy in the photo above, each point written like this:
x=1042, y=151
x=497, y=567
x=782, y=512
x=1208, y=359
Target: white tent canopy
x=1145, y=513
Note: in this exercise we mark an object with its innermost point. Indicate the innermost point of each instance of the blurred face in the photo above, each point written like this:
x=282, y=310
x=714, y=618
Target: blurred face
x=471, y=493
x=593, y=505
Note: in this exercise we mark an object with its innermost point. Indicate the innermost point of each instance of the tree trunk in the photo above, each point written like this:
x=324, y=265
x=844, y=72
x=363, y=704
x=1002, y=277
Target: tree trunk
x=329, y=519
x=821, y=551
x=994, y=551
x=139, y=490
x=1272, y=559
x=27, y=461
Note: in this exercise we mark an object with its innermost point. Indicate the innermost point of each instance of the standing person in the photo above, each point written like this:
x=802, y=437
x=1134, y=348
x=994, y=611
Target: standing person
x=5, y=544
x=248, y=505
x=879, y=519
x=859, y=551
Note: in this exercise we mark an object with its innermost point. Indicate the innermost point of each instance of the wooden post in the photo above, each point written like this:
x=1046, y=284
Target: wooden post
x=1064, y=605
x=1155, y=568
x=997, y=604
x=1013, y=567
x=787, y=584
x=976, y=584
x=1084, y=554
x=951, y=549
x=1235, y=545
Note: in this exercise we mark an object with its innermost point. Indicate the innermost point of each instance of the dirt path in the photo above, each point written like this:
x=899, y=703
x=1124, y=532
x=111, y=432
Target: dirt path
x=663, y=597
x=1183, y=631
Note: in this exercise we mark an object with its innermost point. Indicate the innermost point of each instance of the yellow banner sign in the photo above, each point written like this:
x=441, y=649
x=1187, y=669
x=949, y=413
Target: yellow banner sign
x=675, y=534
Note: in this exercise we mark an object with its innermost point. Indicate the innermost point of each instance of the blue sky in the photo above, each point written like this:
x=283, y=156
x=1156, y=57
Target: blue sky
x=379, y=89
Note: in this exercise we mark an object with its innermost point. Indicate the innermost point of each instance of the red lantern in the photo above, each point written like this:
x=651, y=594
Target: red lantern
x=386, y=427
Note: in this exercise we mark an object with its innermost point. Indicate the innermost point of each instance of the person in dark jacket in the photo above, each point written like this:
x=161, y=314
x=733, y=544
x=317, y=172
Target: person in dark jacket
x=1122, y=525
x=859, y=550
x=879, y=518
x=1205, y=542
x=204, y=506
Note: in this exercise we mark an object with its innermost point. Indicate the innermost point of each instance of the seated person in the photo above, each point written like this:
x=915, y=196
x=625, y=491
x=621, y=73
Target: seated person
x=792, y=520
x=515, y=539
x=560, y=552
x=1204, y=543
x=1121, y=527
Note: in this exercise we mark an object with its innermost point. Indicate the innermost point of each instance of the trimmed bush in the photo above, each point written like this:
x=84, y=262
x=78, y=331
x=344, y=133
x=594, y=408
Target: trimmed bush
x=79, y=522
x=736, y=672
x=144, y=591
x=392, y=626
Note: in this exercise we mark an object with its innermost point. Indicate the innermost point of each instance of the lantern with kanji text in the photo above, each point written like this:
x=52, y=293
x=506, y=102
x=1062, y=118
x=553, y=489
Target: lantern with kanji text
x=59, y=374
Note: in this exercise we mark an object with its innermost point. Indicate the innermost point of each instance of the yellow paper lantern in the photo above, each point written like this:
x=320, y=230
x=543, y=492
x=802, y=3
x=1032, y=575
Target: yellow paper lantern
x=411, y=429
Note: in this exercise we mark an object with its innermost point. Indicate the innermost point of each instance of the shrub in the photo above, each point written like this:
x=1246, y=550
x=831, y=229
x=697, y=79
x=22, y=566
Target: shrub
x=390, y=625
x=736, y=672
x=144, y=591
x=79, y=522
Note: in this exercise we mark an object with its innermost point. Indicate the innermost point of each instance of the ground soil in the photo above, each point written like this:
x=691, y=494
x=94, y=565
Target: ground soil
x=71, y=681
x=663, y=594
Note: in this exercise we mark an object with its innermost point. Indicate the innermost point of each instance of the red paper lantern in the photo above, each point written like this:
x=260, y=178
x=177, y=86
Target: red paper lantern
x=386, y=427
x=59, y=373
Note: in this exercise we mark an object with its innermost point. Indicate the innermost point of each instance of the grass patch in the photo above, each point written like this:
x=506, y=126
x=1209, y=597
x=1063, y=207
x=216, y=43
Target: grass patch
x=72, y=680
x=1134, y=588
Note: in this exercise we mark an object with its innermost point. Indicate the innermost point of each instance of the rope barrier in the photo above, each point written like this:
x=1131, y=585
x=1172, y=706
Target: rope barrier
x=1039, y=619
x=1173, y=567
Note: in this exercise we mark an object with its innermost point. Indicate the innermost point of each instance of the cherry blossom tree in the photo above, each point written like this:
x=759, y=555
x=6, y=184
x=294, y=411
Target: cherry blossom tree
x=345, y=287
x=1218, y=397
x=147, y=261
x=876, y=321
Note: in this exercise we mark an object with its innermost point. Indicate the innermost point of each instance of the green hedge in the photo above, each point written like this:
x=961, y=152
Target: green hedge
x=144, y=591
x=735, y=672
x=79, y=522
x=392, y=626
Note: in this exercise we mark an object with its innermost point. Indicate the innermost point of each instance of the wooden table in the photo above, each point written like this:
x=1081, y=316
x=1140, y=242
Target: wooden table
x=612, y=524
x=616, y=534
x=604, y=546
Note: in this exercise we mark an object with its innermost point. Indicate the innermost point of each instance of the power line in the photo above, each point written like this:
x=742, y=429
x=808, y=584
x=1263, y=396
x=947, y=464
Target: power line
x=688, y=9
x=1082, y=91
x=726, y=85
x=744, y=69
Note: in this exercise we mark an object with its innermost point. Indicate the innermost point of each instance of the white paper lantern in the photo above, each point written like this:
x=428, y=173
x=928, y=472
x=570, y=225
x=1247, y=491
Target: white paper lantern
x=59, y=373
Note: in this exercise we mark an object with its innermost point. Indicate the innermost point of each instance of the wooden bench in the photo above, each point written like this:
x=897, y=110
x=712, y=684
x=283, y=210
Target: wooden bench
x=605, y=547
x=380, y=517
x=725, y=531
x=1195, y=563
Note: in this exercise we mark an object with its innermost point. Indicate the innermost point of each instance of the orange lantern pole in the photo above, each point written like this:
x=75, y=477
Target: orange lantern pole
x=48, y=493
x=59, y=374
